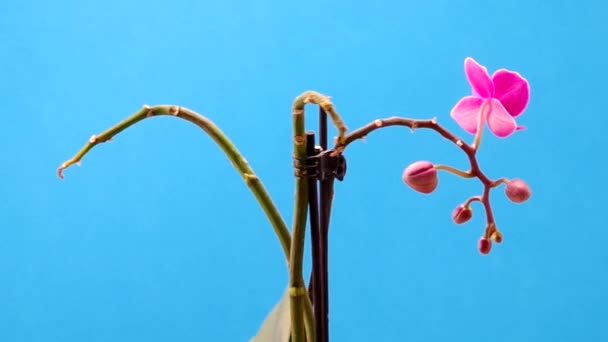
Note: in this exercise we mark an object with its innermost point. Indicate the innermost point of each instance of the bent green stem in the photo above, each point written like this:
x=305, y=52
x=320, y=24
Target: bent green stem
x=299, y=300
x=479, y=132
x=298, y=293
x=313, y=97
x=464, y=174
x=499, y=182
x=233, y=154
x=297, y=289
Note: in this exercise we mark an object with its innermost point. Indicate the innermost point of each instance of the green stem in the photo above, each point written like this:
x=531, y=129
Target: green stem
x=480, y=124
x=300, y=302
x=297, y=287
x=233, y=154
x=296, y=280
x=464, y=174
x=298, y=293
x=325, y=103
x=309, y=322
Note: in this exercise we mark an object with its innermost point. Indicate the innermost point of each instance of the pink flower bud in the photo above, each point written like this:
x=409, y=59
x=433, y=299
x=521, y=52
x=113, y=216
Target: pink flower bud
x=517, y=191
x=484, y=245
x=421, y=176
x=462, y=214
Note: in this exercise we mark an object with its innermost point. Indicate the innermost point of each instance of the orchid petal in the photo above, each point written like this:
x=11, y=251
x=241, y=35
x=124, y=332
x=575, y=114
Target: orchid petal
x=466, y=113
x=512, y=90
x=500, y=122
x=478, y=78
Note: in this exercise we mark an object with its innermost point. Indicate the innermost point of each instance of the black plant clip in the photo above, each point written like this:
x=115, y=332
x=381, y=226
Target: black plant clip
x=332, y=165
x=323, y=165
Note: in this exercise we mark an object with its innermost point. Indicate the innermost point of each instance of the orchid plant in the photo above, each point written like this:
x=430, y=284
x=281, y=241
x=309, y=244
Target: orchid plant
x=302, y=313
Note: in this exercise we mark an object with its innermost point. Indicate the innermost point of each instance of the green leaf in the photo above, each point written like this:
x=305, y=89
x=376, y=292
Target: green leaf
x=277, y=325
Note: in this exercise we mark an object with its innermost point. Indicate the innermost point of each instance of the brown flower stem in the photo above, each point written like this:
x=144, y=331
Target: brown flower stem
x=414, y=124
x=233, y=154
x=400, y=121
x=432, y=124
x=485, y=199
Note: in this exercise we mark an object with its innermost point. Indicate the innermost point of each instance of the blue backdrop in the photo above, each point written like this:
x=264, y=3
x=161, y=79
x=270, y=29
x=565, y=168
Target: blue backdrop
x=156, y=238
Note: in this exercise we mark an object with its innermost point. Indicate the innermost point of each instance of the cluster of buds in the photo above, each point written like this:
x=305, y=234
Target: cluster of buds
x=422, y=177
x=496, y=100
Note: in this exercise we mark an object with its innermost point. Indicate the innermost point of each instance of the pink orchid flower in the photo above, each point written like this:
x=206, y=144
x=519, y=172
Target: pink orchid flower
x=501, y=98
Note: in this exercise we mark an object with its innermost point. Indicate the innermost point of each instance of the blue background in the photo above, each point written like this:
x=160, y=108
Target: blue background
x=156, y=238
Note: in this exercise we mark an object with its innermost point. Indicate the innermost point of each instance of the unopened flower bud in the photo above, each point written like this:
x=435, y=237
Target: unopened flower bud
x=496, y=236
x=484, y=245
x=462, y=214
x=517, y=191
x=421, y=176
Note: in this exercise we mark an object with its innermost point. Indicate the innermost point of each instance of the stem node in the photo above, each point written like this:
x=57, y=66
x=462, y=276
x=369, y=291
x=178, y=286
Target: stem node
x=297, y=291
